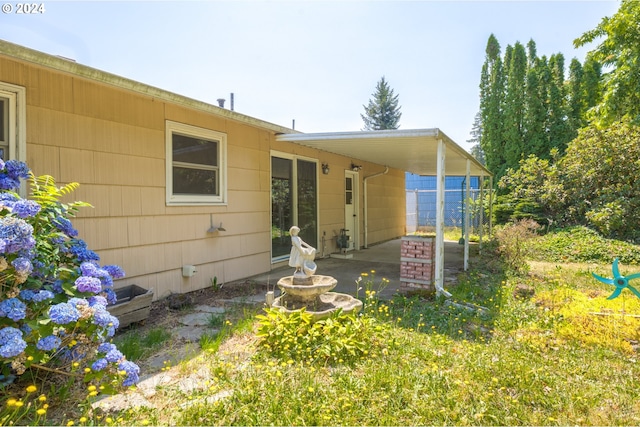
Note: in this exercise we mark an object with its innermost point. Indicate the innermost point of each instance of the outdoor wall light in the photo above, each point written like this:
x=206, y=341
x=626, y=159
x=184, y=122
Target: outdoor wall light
x=214, y=228
x=355, y=167
x=325, y=168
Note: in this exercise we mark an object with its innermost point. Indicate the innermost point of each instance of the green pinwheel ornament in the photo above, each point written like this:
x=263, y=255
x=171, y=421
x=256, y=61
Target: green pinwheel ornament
x=619, y=281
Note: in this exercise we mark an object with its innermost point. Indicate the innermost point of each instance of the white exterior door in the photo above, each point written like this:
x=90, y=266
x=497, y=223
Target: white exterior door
x=351, y=186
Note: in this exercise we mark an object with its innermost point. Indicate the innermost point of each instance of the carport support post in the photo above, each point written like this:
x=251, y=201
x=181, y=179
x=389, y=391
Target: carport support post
x=440, y=220
x=481, y=210
x=467, y=215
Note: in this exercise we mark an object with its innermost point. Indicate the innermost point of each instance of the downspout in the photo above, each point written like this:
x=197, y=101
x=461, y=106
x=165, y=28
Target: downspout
x=366, y=206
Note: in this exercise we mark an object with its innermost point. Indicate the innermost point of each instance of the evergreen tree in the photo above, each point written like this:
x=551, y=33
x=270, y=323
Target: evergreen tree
x=383, y=111
x=576, y=105
x=514, y=107
x=535, y=113
x=491, y=102
x=559, y=134
x=476, y=137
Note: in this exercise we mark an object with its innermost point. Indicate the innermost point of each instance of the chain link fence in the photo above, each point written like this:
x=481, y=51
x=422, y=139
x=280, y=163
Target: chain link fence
x=421, y=210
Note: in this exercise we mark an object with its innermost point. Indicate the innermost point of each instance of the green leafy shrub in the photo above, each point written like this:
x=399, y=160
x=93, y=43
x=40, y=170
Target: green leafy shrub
x=338, y=339
x=582, y=244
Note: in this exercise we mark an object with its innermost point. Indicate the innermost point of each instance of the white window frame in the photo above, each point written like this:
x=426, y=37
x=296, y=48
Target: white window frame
x=16, y=96
x=196, y=132
x=17, y=124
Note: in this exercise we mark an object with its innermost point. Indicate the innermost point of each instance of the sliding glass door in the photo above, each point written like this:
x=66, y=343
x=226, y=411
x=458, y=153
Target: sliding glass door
x=294, y=201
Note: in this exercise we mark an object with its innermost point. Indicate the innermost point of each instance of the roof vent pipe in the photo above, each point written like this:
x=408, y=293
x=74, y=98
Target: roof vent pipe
x=221, y=102
x=231, y=102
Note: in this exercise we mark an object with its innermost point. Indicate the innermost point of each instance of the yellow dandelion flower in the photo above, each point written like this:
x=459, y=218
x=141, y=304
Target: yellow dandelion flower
x=31, y=389
x=145, y=422
x=11, y=402
x=91, y=388
x=30, y=358
x=87, y=370
x=42, y=398
x=70, y=423
x=19, y=404
x=83, y=419
x=41, y=411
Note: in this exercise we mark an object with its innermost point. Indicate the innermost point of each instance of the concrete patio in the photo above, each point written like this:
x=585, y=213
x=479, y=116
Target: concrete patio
x=383, y=259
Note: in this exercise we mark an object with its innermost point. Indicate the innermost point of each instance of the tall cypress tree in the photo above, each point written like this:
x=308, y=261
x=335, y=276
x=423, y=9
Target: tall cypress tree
x=515, y=106
x=491, y=102
x=559, y=135
x=575, y=99
x=535, y=112
x=383, y=111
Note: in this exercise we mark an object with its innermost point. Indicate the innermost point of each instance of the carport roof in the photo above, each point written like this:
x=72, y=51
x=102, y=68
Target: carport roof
x=411, y=150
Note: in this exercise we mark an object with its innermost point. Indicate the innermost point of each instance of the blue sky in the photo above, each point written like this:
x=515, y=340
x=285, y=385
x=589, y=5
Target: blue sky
x=315, y=62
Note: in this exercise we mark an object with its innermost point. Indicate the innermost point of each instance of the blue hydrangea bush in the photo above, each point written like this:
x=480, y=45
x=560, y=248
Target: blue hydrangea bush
x=53, y=291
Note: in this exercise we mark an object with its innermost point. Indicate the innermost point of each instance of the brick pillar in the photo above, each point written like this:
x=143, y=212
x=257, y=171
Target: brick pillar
x=417, y=265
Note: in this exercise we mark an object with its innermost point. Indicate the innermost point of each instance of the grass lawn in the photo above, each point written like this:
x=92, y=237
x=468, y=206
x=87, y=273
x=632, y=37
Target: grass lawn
x=540, y=348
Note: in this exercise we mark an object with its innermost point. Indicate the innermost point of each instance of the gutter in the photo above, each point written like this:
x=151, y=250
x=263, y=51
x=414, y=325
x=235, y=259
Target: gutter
x=366, y=204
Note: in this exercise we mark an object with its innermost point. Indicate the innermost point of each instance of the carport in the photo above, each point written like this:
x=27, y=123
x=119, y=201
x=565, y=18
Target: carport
x=426, y=152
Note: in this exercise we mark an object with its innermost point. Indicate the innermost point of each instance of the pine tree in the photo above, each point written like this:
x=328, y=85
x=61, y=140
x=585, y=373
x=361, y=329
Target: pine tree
x=476, y=136
x=383, y=111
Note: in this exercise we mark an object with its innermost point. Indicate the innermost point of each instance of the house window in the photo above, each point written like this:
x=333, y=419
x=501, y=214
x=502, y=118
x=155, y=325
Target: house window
x=4, y=128
x=13, y=143
x=196, y=165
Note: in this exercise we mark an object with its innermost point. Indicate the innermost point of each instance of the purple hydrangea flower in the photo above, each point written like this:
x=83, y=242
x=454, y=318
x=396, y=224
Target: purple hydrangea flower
x=103, y=318
x=8, y=183
x=97, y=301
x=106, y=347
x=63, y=313
x=114, y=355
x=11, y=342
x=49, y=343
x=13, y=308
x=42, y=296
x=8, y=200
x=79, y=249
x=16, y=234
x=16, y=169
x=99, y=364
x=106, y=280
x=132, y=371
x=88, y=284
x=64, y=224
x=27, y=294
x=25, y=208
x=22, y=265
x=115, y=271
x=111, y=296
x=89, y=269
x=77, y=301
